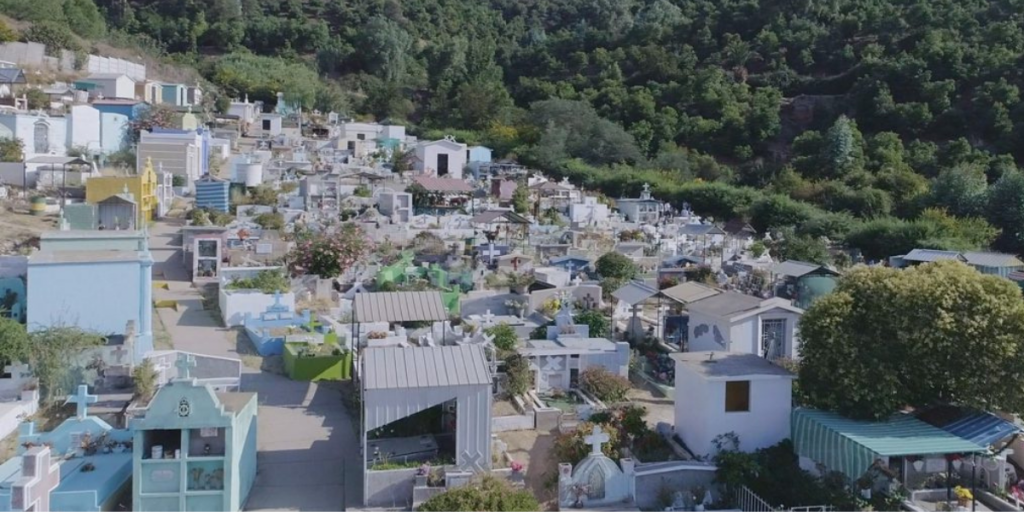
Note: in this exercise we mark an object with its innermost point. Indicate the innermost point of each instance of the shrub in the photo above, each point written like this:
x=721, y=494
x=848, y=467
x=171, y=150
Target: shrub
x=489, y=493
x=266, y=281
x=520, y=378
x=615, y=265
x=329, y=255
x=362, y=191
x=572, y=447
x=269, y=220
x=144, y=376
x=603, y=384
x=505, y=337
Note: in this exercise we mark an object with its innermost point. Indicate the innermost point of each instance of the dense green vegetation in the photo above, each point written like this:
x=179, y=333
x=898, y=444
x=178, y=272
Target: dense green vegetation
x=841, y=118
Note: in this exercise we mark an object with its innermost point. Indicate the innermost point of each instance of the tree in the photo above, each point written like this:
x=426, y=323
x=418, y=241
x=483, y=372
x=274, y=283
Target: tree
x=960, y=190
x=488, y=493
x=11, y=149
x=521, y=199
x=616, y=266
x=54, y=356
x=520, y=378
x=788, y=245
x=1006, y=211
x=153, y=116
x=603, y=384
x=958, y=338
x=595, y=320
x=14, y=341
x=505, y=337
x=37, y=99
x=270, y=220
x=329, y=254
x=843, y=152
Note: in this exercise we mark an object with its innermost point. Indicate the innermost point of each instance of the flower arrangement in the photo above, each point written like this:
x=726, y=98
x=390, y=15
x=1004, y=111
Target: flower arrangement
x=330, y=254
x=517, y=467
x=963, y=493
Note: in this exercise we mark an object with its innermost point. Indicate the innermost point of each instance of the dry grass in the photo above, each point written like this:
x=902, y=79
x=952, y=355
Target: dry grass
x=18, y=227
x=247, y=353
x=161, y=338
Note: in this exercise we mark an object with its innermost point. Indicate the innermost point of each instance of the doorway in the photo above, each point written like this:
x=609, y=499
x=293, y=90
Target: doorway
x=442, y=164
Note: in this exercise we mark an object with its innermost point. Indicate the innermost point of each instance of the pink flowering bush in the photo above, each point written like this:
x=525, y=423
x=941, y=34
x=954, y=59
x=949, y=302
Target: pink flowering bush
x=329, y=254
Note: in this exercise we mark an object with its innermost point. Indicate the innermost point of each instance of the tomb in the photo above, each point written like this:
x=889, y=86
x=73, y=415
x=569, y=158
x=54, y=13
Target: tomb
x=195, y=448
x=597, y=481
x=82, y=465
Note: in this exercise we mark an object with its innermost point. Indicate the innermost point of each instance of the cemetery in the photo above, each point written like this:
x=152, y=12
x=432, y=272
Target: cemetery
x=467, y=318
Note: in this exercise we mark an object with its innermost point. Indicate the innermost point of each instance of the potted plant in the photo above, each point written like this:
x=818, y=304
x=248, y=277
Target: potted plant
x=579, y=492
x=699, y=498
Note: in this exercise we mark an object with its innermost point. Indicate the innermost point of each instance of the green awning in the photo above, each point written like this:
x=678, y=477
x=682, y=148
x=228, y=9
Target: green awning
x=851, y=446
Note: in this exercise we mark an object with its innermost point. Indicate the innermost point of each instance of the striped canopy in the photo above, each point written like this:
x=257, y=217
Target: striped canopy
x=982, y=428
x=851, y=446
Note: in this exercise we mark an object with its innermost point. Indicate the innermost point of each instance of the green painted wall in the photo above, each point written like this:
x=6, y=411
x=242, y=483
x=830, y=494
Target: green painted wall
x=316, y=368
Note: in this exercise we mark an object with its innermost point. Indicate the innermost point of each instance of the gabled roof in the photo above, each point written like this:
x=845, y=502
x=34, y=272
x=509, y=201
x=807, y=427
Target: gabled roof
x=700, y=230
x=433, y=184
x=399, y=307
x=634, y=293
x=793, y=268
x=12, y=76
x=502, y=216
x=992, y=259
x=425, y=367
x=739, y=227
x=107, y=76
x=735, y=305
x=928, y=255
x=549, y=186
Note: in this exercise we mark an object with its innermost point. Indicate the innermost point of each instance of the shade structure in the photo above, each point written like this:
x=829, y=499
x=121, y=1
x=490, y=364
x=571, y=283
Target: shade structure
x=852, y=446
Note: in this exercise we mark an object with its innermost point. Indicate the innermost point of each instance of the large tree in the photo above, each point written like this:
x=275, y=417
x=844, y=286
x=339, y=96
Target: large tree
x=940, y=333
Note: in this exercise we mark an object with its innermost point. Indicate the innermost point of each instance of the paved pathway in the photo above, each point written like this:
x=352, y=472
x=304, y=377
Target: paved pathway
x=308, y=450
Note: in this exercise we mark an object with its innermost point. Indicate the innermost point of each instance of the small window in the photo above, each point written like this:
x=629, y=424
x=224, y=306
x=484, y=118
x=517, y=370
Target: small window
x=361, y=136
x=266, y=124
x=737, y=396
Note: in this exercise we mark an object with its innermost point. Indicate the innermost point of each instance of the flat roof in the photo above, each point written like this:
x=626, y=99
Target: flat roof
x=52, y=257
x=75, y=234
x=727, y=365
x=442, y=184
x=726, y=304
x=634, y=293
x=235, y=401
x=425, y=367
x=399, y=307
x=57, y=160
x=689, y=292
x=573, y=343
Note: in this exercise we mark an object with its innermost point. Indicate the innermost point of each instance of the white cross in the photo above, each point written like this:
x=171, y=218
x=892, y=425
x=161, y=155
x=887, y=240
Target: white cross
x=39, y=477
x=488, y=318
x=596, y=439
x=82, y=399
x=490, y=253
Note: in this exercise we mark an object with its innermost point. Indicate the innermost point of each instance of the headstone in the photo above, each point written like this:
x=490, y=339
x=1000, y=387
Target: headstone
x=39, y=477
x=82, y=400
x=596, y=439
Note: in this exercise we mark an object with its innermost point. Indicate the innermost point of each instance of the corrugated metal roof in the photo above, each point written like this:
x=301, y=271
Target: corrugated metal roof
x=506, y=216
x=421, y=367
x=634, y=293
x=793, y=268
x=992, y=259
x=12, y=76
x=851, y=446
x=981, y=428
x=928, y=255
x=689, y=292
x=399, y=307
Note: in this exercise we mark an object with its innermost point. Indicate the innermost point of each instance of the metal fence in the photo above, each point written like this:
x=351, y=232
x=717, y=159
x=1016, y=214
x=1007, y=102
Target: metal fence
x=747, y=501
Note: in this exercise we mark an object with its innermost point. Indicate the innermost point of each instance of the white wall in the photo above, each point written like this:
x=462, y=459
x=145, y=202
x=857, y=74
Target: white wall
x=84, y=128
x=427, y=158
x=700, y=412
x=706, y=340
x=743, y=335
x=234, y=304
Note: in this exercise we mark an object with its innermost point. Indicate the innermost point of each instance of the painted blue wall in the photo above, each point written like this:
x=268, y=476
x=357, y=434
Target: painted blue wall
x=479, y=154
x=129, y=111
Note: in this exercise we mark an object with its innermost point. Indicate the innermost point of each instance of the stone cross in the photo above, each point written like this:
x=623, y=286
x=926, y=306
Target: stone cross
x=570, y=267
x=596, y=439
x=119, y=354
x=490, y=253
x=185, y=363
x=82, y=399
x=39, y=477
x=487, y=318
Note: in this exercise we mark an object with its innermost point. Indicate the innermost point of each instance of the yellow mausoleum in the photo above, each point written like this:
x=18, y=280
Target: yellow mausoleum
x=141, y=186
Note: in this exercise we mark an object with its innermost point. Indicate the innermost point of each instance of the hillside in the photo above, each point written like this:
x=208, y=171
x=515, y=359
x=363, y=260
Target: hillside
x=848, y=119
